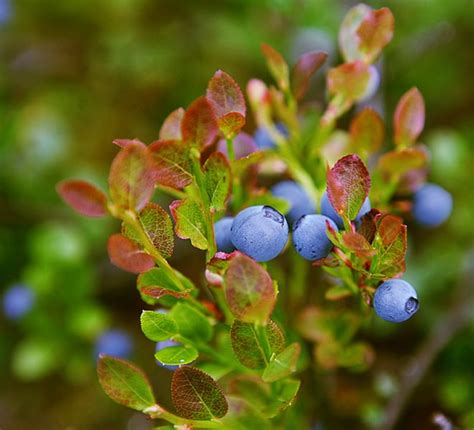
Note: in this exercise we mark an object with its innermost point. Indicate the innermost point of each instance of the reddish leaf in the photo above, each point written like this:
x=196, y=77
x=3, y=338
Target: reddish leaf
x=123, y=143
x=389, y=228
x=127, y=255
x=277, y=66
x=199, y=126
x=172, y=163
x=357, y=244
x=350, y=80
x=196, y=395
x=171, y=128
x=368, y=225
x=367, y=131
x=402, y=161
x=249, y=289
x=131, y=179
x=328, y=262
x=409, y=117
x=158, y=227
x=159, y=292
x=375, y=32
x=348, y=39
x=228, y=103
x=83, y=197
x=306, y=66
x=348, y=184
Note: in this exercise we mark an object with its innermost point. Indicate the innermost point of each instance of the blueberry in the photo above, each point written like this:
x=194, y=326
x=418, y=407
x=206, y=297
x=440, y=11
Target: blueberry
x=395, y=301
x=261, y=232
x=17, y=301
x=330, y=212
x=222, y=234
x=263, y=139
x=162, y=345
x=432, y=205
x=309, y=237
x=300, y=202
x=116, y=343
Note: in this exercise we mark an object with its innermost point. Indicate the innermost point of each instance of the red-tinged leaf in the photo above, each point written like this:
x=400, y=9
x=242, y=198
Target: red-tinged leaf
x=389, y=228
x=127, y=255
x=390, y=259
x=157, y=225
x=348, y=185
x=190, y=222
x=83, y=197
x=367, y=131
x=402, y=161
x=283, y=364
x=277, y=66
x=368, y=225
x=327, y=262
x=199, y=126
x=349, y=80
x=304, y=69
x=217, y=180
x=409, y=117
x=196, y=395
x=158, y=292
x=125, y=383
x=248, y=346
x=348, y=39
x=228, y=103
x=171, y=128
x=123, y=143
x=131, y=178
x=172, y=163
x=358, y=244
x=375, y=32
x=249, y=290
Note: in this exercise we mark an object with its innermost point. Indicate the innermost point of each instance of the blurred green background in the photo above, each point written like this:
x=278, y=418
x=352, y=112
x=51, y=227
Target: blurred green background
x=76, y=74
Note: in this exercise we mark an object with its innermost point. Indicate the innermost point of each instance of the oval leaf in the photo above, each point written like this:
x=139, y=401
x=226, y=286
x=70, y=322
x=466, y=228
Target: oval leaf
x=305, y=67
x=171, y=128
x=348, y=184
x=190, y=222
x=131, y=178
x=249, y=290
x=125, y=383
x=348, y=40
x=199, y=126
x=283, y=365
x=367, y=131
x=127, y=255
x=177, y=355
x=409, y=117
x=401, y=161
x=172, y=163
x=248, y=347
x=83, y=197
x=157, y=326
x=217, y=180
x=191, y=322
x=196, y=395
x=277, y=66
x=349, y=80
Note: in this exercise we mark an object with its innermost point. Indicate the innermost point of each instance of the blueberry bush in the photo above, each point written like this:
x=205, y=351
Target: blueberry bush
x=242, y=342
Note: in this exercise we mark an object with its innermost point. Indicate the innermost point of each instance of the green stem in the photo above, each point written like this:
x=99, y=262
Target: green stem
x=157, y=412
x=261, y=332
x=230, y=150
x=222, y=302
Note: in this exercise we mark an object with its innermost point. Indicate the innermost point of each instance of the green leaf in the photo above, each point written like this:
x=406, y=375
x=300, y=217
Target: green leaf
x=199, y=126
x=157, y=326
x=409, y=117
x=191, y=322
x=177, y=355
x=348, y=184
x=277, y=66
x=217, y=180
x=367, y=131
x=158, y=227
x=127, y=255
x=125, y=383
x=283, y=397
x=171, y=128
x=305, y=67
x=249, y=289
x=244, y=415
x=248, y=347
x=196, y=395
x=349, y=80
x=156, y=283
x=190, y=222
x=173, y=167
x=131, y=178
x=83, y=197
x=283, y=364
